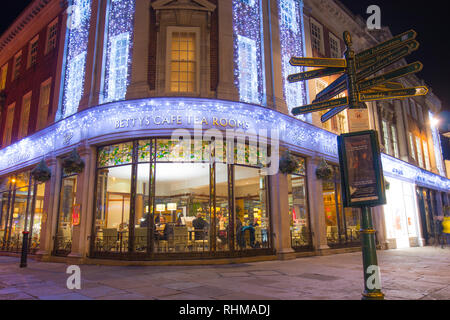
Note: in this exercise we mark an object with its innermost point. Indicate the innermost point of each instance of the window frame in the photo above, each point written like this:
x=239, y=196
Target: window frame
x=33, y=55
x=42, y=123
x=320, y=27
x=49, y=39
x=170, y=31
x=17, y=69
x=338, y=42
x=7, y=133
x=24, y=129
x=3, y=76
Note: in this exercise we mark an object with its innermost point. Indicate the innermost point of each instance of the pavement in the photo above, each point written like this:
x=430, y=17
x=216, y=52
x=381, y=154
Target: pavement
x=407, y=274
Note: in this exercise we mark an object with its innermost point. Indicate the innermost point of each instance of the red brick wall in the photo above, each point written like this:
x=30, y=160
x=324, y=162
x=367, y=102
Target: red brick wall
x=30, y=79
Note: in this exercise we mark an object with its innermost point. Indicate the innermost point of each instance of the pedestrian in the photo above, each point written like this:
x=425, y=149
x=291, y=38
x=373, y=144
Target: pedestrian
x=446, y=231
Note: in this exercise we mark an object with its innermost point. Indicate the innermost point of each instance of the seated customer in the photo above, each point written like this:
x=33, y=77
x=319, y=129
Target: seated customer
x=199, y=225
x=162, y=230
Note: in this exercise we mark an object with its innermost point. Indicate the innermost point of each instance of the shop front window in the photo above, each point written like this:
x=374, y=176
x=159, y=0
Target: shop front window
x=63, y=238
x=252, y=220
x=17, y=202
x=298, y=207
x=343, y=224
x=168, y=197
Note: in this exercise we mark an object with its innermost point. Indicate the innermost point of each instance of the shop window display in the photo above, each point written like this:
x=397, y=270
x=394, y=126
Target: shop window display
x=177, y=201
x=298, y=207
x=343, y=224
x=63, y=238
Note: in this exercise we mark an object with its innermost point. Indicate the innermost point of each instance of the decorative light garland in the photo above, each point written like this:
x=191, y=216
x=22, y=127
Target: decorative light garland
x=77, y=46
x=249, y=73
x=290, y=15
x=437, y=146
x=119, y=49
x=147, y=117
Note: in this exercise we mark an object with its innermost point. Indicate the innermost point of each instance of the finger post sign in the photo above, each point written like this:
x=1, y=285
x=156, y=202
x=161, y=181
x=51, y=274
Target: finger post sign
x=359, y=153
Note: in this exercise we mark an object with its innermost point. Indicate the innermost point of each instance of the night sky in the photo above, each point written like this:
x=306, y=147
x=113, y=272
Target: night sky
x=431, y=21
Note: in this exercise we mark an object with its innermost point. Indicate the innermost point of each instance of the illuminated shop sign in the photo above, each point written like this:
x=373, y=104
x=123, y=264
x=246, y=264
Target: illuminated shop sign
x=143, y=117
x=164, y=114
x=398, y=169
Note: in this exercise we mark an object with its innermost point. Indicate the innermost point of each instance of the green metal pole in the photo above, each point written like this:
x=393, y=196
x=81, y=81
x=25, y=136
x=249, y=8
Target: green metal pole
x=372, y=280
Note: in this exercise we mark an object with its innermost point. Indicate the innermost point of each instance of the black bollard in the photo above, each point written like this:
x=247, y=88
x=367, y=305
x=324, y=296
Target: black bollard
x=23, y=258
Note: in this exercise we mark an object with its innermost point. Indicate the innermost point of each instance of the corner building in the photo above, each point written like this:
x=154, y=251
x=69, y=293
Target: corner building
x=132, y=76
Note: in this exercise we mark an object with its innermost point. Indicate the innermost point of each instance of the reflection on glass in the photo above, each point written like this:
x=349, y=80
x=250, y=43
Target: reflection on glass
x=17, y=222
x=182, y=216
x=222, y=210
x=113, y=209
x=298, y=211
x=342, y=223
x=67, y=202
x=36, y=218
x=252, y=220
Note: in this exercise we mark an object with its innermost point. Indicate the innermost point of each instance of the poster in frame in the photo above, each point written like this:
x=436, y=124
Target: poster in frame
x=361, y=170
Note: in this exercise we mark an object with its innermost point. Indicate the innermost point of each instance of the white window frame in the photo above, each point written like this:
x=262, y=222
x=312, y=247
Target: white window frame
x=198, y=58
x=32, y=54
x=386, y=137
x=288, y=15
x=118, y=71
x=338, y=42
x=74, y=87
x=320, y=27
x=395, y=141
x=248, y=70
x=412, y=145
x=419, y=151
x=51, y=39
x=426, y=153
x=42, y=117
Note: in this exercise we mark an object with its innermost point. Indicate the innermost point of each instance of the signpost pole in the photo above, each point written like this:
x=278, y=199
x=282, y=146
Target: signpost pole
x=372, y=280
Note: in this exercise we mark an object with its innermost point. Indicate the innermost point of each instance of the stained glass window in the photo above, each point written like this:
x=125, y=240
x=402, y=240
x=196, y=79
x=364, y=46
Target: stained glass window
x=115, y=155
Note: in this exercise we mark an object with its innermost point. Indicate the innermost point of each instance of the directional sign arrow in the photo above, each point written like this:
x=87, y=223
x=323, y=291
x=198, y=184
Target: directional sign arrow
x=394, y=57
x=318, y=62
x=400, y=72
x=314, y=74
x=320, y=106
x=330, y=114
x=338, y=86
x=374, y=59
x=394, y=42
x=393, y=94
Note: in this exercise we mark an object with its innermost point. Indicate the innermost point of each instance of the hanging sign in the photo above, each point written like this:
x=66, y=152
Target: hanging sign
x=361, y=170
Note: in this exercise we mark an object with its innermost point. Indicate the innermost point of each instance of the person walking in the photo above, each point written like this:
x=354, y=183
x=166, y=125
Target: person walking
x=446, y=231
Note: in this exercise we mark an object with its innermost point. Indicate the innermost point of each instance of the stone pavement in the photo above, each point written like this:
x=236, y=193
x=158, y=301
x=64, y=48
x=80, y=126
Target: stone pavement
x=409, y=274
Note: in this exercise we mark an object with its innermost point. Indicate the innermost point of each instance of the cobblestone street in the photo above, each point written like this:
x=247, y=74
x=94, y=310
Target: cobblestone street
x=410, y=274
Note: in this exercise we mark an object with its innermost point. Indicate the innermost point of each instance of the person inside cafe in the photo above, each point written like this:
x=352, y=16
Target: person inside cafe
x=162, y=229
x=200, y=226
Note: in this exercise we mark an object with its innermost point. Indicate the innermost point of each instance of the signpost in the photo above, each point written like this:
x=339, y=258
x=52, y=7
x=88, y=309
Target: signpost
x=359, y=153
x=363, y=187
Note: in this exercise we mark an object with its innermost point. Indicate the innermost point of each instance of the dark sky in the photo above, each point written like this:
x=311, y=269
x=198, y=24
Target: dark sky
x=430, y=19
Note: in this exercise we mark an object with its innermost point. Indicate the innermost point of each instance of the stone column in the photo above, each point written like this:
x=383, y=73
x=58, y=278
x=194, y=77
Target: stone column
x=316, y=205
x=226, y=89
x=138, y=87
x=401, y=132
x=94, y=31
x=51, y=201
x=279, y=209
x=79, y=233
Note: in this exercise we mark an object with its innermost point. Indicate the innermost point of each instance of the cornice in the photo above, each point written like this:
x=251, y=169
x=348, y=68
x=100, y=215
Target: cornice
x=22, y=21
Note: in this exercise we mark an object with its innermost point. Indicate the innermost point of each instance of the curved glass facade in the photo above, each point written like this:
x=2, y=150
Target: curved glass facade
x=161, y=197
